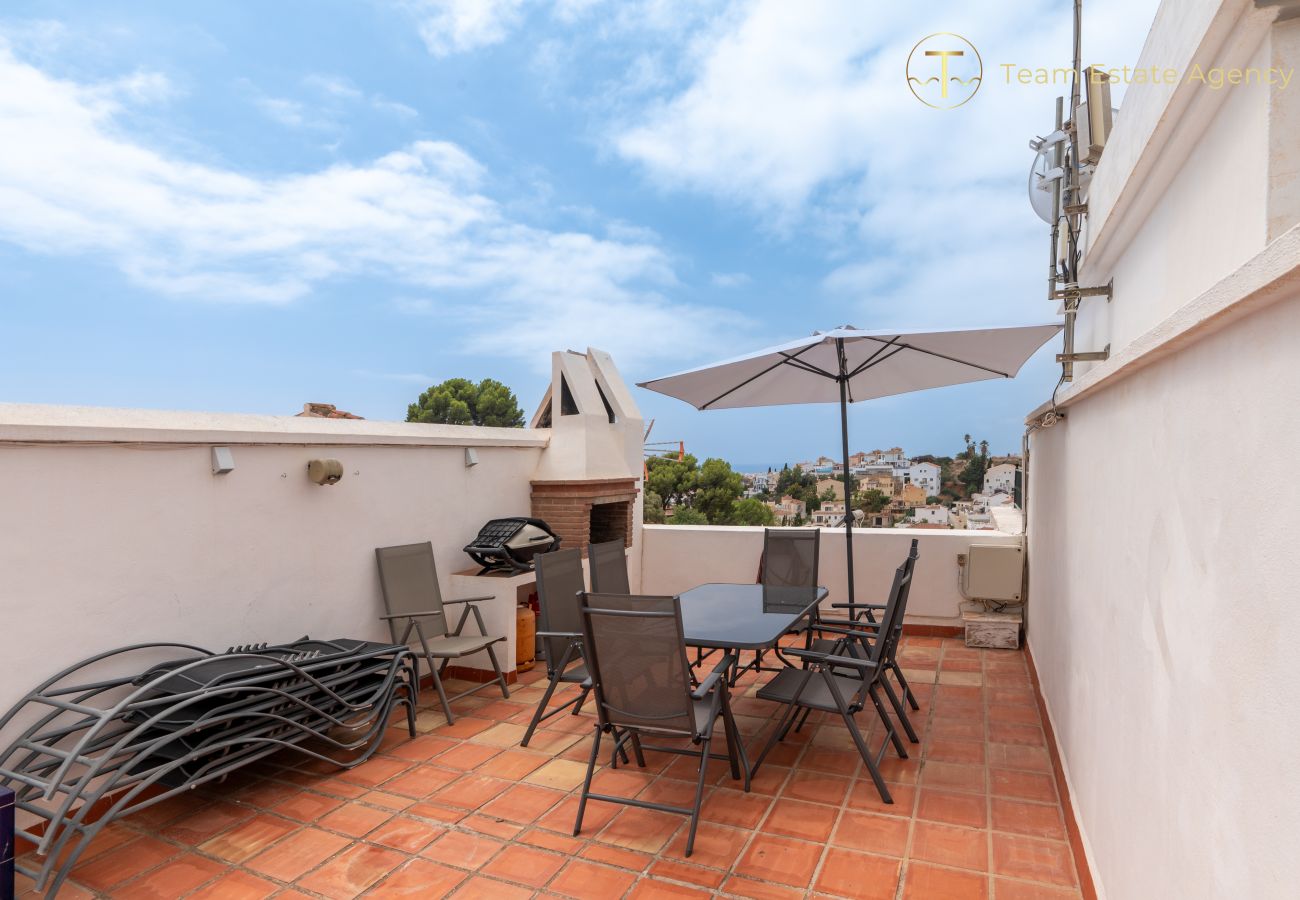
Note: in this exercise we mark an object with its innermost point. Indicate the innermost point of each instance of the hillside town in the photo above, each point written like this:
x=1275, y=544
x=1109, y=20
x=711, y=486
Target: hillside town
x=892, y=490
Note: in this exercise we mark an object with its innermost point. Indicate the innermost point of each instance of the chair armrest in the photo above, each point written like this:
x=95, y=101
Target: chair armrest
x=719, y=672
x=851, y=632
x=564, y=634
x=846, y=623
x=469, y=599
x=857, y=606
x=830, y=660
x=414, y=615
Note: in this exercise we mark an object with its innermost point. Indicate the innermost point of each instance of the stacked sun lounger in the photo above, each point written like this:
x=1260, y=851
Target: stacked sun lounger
x=93, y=748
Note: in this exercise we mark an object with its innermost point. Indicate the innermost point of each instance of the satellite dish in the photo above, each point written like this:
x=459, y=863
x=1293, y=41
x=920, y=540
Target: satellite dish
x=1041, y=179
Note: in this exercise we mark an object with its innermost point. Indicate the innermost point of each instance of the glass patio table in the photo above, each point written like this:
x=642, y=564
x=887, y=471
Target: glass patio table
x=744, y=616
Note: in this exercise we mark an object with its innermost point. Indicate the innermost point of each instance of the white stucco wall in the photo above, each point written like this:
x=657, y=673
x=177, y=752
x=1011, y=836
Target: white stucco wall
x=1163, y=618
x=678, y=557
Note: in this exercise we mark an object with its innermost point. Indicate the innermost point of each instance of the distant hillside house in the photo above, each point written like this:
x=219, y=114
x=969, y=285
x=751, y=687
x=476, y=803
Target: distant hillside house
x=926, y=476
x=1000, y=478
x=325, y=411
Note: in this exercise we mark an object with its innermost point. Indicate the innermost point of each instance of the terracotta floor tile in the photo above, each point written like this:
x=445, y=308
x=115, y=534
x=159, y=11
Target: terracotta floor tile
x=513, y=764
x=818, y=787
x=610, y=855
x=1016, y=756
x=237, y=885
x=796, y=818
x=463, y=849
x=583, y=880
x=1023, y=715
x=654, y=889
x=1014, y=733
x=465, y=727
x=644, y=830
x=861, y=876
x=406, y=834
x=524, y=865
x=505, y=734
x=127, y=861
x=550, y=840
x=355, y=819
x=1022, y=785
x=954, y=776
x=1005, y=889
x=715, y=845
x=562, y=817
x=248, y=838
x=1033, y=860
x=467, y=755
x=864, y=796
x=727, y=807
x=352, y=872
x=675, y=793
x=969, y=752
x=172, y=879
x=560, y=774
x=953, y=808
x=872, y=833
x=950, y=845
x=783, y=860
x=926, y=882
x=445, y=815
x=420, y=782
x=1035, y=819
x=760, y=890
x=375, y=771
x=306, y=806
x=206, y=822
x=422, y=748
x=479, y=887
x=491, y=825
x=470, y=791
x=298, y=853
x=419, y=878
x=523, y=803
x=681, y=871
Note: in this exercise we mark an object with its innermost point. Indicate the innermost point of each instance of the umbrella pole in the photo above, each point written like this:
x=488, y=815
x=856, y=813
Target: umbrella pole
x=848, y=479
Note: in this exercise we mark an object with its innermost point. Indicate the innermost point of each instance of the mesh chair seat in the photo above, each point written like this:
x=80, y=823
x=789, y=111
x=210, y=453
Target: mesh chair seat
x=574, y=675
x=453, y=646
x=559, y=581
x=816, y=693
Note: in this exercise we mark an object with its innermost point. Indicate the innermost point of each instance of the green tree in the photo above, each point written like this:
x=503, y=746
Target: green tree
x=672, y=479
x=459, y=401
x=653, y=513
x=752, y=511
x=717, y=490
x=684, y=515
x=871, y=500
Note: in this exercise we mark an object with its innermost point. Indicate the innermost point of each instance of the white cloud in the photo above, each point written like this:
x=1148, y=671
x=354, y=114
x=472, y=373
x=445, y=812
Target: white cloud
x=456, y=26
x=800, y=114
x=78, y=183
x=729, y=279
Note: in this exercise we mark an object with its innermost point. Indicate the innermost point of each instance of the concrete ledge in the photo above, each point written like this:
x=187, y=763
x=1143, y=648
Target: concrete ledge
x=41, y=424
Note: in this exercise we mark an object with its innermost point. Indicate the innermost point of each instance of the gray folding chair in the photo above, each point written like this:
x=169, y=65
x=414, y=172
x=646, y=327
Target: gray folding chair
x=409, y=580
x=641, y=678
x=608, y=568
x=861, y=619
x=823, y=686
x=559, y=582
x=789, y=560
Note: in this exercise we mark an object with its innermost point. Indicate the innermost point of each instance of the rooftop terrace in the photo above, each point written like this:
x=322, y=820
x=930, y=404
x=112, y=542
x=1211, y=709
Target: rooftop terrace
x=463, y=811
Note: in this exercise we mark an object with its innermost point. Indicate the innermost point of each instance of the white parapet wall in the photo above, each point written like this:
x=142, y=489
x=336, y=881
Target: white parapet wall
x=678, y=557
x=116, y=531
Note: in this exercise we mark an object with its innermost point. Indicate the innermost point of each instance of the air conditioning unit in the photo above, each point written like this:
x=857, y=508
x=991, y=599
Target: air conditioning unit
x=993, y=572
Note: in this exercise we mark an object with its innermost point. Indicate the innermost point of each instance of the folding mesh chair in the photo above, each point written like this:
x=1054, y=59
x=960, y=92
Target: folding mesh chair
x=789, y=560
x=409, y=579
x=559, y=582
x=642, y=685
x=843, y=684
x=608, y=568
x=861, y=619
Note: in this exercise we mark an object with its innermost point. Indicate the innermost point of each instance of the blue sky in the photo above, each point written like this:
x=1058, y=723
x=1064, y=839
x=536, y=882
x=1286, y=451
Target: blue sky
x=246, y=206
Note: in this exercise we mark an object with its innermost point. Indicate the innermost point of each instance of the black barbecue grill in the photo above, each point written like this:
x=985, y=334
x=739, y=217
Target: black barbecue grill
x=509, y=545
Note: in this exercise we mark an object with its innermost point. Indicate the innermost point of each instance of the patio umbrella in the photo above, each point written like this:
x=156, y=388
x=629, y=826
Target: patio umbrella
x=848, y=365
